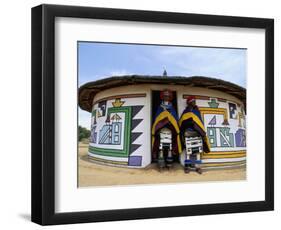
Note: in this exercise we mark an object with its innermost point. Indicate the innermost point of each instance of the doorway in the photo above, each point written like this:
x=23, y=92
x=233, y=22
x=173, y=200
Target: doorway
x=156, y=101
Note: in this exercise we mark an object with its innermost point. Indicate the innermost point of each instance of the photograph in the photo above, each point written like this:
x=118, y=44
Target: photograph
x=154, y=114
x=141, y=114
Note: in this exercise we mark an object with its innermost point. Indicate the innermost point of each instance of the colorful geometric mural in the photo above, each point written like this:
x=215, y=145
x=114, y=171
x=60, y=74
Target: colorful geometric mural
x=220, y=137
x=124, y=134
x=110, y=134
x=116, y=136
x=220, y=130
x=120, y=129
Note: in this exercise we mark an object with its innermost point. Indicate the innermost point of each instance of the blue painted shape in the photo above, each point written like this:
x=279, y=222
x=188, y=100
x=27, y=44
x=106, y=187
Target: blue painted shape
x=232, y=110
x=135, y=160
x=240, y=138
x=93, y=135
x=116, y=133
x=105, y=137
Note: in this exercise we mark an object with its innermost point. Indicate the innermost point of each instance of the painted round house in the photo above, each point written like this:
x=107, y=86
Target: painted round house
x=123, y=109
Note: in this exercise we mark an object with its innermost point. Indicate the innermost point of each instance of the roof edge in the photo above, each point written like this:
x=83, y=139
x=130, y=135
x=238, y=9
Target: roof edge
x=88, y=90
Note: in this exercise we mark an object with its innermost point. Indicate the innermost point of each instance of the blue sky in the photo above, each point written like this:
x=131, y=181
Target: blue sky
x=100, y=60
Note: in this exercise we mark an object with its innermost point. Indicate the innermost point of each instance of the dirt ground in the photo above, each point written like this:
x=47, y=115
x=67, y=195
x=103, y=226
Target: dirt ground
x=94, y=174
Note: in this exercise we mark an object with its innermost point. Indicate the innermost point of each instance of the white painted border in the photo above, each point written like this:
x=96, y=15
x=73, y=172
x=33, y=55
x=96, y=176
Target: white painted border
x=69, y=198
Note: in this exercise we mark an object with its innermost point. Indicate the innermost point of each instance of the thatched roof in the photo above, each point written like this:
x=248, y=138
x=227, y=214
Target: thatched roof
x=88, y=91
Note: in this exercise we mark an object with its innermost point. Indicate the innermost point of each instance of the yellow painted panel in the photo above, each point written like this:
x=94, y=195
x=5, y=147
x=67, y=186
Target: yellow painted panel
x=223, y=156
x=224, y=153
x=223, y=164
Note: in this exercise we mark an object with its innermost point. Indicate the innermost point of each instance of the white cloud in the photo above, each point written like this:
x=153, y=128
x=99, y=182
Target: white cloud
x=119, y=72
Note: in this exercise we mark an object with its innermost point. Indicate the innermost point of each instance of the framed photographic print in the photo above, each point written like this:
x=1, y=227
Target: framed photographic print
x=143, y=114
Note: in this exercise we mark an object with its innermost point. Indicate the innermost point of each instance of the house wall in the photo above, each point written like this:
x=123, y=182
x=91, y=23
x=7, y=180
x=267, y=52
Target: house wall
x=225, y=123
x=121, y=125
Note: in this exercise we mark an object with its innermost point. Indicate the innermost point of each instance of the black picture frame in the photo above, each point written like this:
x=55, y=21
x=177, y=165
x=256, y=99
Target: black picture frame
x=43, y=114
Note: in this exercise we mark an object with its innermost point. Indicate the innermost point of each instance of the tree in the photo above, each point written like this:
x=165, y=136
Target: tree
x=83, y=133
